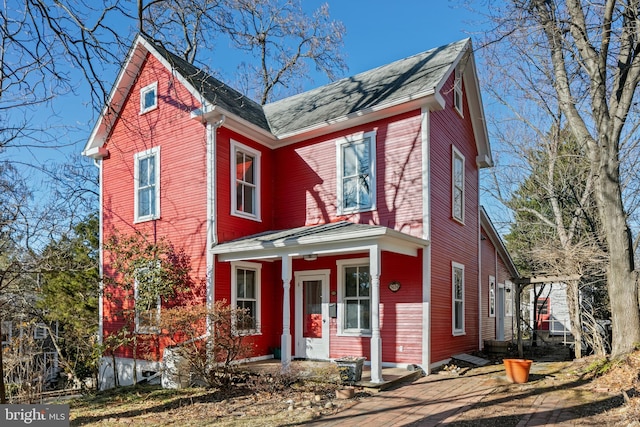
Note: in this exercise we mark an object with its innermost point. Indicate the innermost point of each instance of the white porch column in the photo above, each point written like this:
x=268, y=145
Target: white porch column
x=376, y=340
x=285, y=346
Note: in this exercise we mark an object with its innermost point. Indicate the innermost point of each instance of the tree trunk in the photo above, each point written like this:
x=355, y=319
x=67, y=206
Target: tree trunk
x=621, y=279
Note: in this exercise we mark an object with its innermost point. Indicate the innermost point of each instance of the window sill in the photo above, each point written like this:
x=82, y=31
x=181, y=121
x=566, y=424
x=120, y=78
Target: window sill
x=145, y=219
x=356, y=211
x=354, y=334
x=247, y=333
x=246, y=216
x=458, y=220
x=145, y=111
x=459, y=334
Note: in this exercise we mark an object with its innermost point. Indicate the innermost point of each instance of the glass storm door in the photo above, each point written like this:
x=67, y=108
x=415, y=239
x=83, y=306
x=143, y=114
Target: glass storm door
x=312, y=316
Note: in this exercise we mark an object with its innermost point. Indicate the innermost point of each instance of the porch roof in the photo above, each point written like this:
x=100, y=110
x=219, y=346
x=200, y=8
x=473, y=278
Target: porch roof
x=337, y=237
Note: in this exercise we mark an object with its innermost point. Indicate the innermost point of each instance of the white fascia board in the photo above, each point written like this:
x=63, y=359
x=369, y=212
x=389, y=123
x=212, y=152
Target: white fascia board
x=192, y=90
x=213, y=113
x=428, y=99
x=125, y=80
x=476, y=110
x=389, y=240
x=96, y=153
x=487, y=225
x=474, y=100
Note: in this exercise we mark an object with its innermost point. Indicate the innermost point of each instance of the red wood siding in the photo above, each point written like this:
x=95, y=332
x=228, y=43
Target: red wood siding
x=452, y=241
x=270, y=320
x=400, y=312
x=182, y=143
x=493, y=265
x=231, y=227
x=306, y=178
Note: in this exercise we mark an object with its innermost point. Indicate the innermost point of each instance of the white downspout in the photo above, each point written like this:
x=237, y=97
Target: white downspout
x=212, y=232
x=98, y=164
x=479, y=273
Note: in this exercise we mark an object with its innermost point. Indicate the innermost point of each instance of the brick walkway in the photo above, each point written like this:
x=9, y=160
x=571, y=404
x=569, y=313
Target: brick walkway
x=443, y=400
x=428, y=401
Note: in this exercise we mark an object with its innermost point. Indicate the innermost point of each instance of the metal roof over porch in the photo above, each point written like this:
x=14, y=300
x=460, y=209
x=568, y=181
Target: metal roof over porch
x=337, y=237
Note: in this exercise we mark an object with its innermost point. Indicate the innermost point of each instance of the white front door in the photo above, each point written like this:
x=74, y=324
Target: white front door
x=312, y=314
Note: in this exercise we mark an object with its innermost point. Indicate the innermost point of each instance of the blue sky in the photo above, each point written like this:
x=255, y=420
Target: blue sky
x=378, y=32
x=382, y=31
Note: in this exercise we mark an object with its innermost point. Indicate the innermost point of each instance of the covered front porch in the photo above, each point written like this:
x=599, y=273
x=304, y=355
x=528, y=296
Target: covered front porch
x=332, y=311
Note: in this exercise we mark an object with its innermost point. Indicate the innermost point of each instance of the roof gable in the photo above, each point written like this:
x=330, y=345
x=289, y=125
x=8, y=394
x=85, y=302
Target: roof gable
x=401, y=86
x=487, y=225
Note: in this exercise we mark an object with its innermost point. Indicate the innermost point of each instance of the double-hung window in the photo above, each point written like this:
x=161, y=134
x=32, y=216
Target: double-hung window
x=457, y=273
x=147, y=185
x=457, y=185
x=246, y=297
x=147, y=300
x=356, y=173
x=457, y=92
x=508, y=305
x=245, y=181
x=492, y=296
x=355, y=297
x=149, y=98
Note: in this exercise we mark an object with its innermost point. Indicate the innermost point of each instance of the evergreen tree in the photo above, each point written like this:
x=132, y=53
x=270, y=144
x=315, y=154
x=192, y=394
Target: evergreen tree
x=69, y=296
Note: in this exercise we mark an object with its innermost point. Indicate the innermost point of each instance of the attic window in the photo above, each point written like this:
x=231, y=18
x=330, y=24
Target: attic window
x=457, y=91
x=149, y=98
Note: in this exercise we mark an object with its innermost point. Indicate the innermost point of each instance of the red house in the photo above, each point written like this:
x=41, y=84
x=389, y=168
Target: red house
x=345, y=218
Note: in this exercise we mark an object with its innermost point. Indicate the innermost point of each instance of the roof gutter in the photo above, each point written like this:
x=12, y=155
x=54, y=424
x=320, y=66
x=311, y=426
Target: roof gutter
x=210, y=113
x=430, y=99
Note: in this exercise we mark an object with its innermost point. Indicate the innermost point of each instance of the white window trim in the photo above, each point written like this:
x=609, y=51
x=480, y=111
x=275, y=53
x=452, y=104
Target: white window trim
x=508, y=296
x=257, y=267
x=456, y=153
x=7, y=329
x=457, y=92
x=40, y=331
x=155, y=151
x=492, y=296
x=342, y=307
x=456, y=332
x=145, y=329
x=357, y=137
x=152, y=87
x=237, y=146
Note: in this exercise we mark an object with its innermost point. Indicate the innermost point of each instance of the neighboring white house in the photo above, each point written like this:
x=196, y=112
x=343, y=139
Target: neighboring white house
x=552, y=309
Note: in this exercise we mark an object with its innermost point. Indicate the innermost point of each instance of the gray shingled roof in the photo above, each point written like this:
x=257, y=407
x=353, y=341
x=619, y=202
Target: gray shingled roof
x=387, y=84
x=215, y=91
x=392, y=82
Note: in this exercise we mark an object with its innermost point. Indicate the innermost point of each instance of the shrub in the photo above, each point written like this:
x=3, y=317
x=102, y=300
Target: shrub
x=207, y=341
